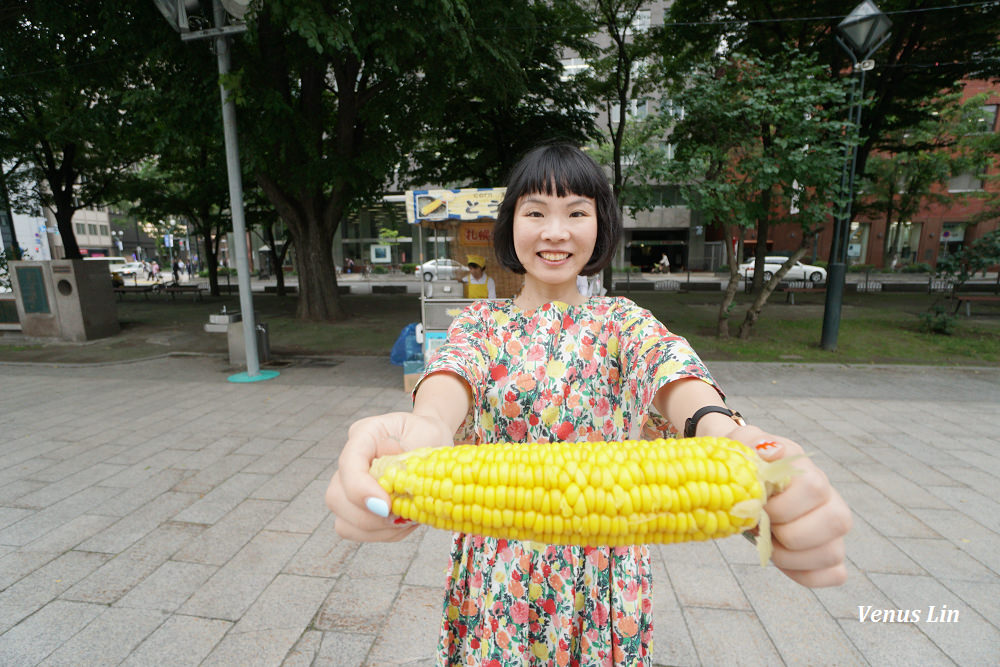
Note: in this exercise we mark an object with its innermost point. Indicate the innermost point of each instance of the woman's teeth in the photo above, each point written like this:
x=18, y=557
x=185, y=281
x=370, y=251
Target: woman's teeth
x=553, y=256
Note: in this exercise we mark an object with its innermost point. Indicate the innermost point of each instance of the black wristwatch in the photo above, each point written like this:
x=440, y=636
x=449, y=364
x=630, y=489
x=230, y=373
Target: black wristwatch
x=691, y=424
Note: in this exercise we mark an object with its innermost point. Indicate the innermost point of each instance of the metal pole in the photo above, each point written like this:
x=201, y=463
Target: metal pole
x=236, y=198
x=837, y=269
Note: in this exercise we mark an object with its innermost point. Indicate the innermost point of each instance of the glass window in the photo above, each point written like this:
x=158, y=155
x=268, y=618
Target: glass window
x=952, y=237
x=104, y=230
x=92, y=229
x=81, y=229
x=966, y=182
x=990, y=117
x=857, y=243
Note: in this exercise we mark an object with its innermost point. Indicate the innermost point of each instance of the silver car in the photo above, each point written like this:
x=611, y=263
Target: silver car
x=439, y=269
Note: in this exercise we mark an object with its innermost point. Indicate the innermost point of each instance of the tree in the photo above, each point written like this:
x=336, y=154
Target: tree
x=340, y=91
x=760, y=144
x=71, y=72
x=185, y=175
x=484, y=122
x=980, y=255
x=929, y=53
x=619, y=74
x=912, y=165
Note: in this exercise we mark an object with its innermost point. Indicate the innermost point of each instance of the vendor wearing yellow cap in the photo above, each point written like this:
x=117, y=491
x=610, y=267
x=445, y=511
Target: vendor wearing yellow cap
x=477, y=284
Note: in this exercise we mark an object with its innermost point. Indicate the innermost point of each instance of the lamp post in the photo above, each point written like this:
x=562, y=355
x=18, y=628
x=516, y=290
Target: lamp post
x=863, y=31
x=180, y=14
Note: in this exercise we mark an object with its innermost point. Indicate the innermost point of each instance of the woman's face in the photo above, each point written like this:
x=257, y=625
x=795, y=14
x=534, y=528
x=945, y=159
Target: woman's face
x=554, y=237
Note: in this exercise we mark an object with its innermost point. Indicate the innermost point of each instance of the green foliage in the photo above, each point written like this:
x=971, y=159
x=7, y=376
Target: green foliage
x=758, y=137
x=502, y=94
x=73, y=74
x=978, y=256
x=937, y=320
x=408, y=268
x=913, y=163
x=926, y=56
x=917, y=267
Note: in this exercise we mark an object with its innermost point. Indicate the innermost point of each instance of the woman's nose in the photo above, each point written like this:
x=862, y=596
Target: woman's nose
x=555, y=229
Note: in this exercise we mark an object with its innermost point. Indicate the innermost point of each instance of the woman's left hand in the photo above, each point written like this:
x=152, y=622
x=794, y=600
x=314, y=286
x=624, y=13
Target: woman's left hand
x=809, y=519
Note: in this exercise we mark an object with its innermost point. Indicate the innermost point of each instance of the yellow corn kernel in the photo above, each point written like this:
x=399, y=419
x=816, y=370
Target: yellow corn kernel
x=587, y=493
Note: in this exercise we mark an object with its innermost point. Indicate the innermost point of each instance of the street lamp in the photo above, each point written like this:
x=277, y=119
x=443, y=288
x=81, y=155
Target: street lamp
x=863, y=31
x=178, y=14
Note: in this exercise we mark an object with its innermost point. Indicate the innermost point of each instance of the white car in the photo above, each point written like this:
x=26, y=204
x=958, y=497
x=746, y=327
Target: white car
x=129, y=269
x=799, y=271
x=439, y=269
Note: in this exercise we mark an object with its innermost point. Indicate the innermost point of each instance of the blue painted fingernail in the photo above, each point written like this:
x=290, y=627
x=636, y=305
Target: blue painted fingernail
x=377, y=506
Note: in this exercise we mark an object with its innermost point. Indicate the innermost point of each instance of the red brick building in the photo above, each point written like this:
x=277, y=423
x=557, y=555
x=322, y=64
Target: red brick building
x=932, y=232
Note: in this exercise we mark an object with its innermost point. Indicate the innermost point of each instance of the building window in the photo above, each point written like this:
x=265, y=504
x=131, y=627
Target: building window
x=637, y=109
x=952, y=237
x=81, y=229
x=572, y=67
x=966, y=182
x=857, y=243
x=640, y=22
x=990, y=117
x=92, y=229
x=104, y=230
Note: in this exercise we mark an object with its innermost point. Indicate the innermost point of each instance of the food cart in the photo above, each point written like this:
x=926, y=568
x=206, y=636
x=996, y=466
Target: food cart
x=465, y=217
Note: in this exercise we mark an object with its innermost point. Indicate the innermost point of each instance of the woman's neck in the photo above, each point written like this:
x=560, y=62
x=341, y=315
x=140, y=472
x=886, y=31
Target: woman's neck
x=536, y=293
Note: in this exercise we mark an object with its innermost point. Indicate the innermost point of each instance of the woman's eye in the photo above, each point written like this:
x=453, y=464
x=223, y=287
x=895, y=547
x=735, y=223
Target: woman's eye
x=579, y=214
x=533, y=214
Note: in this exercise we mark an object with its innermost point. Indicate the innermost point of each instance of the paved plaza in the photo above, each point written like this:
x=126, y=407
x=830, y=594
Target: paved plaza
x=152, y=513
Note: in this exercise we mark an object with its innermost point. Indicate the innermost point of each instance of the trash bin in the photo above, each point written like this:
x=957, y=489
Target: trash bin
x=237, y=344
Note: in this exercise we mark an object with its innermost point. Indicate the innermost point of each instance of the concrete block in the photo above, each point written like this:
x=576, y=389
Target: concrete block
x=168, y=587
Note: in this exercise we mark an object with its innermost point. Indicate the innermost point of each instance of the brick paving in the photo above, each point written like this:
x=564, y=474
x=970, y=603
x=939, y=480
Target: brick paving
x=152, y=513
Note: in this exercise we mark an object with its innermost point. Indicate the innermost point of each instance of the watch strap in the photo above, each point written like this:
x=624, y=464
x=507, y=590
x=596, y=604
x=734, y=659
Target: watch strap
x=691, y=424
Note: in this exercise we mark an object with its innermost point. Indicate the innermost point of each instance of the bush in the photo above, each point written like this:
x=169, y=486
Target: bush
x=408, y=267
x=861, y=268
x=917, y=267
x=937, y=321
x=379, y=269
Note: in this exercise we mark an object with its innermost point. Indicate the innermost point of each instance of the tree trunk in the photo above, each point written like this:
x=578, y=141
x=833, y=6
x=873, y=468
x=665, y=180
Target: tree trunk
x=757, y=307
x=211, y=261
x=760, y=250
x=722, y=324
x=312, y=221
x=64, y=222
x=319, y=298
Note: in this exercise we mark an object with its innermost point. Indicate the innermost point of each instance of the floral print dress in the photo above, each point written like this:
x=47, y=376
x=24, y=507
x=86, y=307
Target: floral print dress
x=556, y=373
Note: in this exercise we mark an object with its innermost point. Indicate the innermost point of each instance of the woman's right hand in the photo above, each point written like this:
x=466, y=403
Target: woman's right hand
x=361, y=505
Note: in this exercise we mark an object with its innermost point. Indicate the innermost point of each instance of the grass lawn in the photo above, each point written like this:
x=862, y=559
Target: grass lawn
x=875, y=328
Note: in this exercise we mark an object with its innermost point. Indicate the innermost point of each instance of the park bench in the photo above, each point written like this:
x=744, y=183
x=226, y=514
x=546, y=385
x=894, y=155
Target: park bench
x=799, y=287
x=144, y=290
x=174, y=290
x=969, y=299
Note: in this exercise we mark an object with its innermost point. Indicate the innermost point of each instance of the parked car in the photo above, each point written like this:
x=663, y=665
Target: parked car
x=439, y=269
x=130, y=269
x=799, y=271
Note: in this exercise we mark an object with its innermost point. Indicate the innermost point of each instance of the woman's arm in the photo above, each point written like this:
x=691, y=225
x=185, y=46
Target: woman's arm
x=360, y=504
x=808, y=519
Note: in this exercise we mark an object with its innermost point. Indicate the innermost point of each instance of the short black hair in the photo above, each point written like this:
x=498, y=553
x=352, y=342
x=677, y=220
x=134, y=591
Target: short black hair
x=559, y=169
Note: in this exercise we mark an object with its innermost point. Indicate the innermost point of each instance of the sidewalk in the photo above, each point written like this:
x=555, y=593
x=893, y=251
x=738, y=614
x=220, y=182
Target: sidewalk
x=154, y=514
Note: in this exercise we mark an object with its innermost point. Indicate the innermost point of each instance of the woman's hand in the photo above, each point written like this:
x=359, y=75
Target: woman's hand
x=360, y=504
x=808, y=519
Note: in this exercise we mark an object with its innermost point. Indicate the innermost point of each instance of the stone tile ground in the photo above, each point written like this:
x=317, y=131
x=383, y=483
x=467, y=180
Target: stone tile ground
x=155, y=514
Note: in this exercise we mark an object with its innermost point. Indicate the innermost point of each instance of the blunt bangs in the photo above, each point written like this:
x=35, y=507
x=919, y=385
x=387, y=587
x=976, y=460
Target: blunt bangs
x=559, y=170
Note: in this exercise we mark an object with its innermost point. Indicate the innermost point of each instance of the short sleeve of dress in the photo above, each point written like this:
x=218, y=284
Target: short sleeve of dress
x=654, y=357
x=465, y=353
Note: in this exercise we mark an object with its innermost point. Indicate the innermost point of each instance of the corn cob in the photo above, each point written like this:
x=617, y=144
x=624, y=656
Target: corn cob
x=588, y=493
